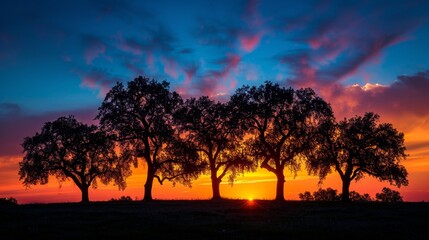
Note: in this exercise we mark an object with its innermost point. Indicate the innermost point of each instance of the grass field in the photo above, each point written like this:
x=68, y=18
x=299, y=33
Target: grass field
x=228, y=219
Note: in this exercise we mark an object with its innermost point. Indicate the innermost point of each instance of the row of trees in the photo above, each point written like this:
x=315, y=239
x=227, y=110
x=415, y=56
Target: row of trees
x=269, y=126
x=329, y=194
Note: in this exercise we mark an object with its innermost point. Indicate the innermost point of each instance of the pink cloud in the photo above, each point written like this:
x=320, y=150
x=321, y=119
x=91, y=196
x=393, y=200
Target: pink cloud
x=98, y=79
x=190, y=73
x=250, y=42
x=170, y=67
x=231, y=61
x=402, y=100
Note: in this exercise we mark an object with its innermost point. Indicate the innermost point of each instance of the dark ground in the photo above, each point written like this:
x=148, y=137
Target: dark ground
x=229, y=219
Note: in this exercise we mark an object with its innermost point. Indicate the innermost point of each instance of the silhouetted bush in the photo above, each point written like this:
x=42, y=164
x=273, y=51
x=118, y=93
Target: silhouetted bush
x=328, y=194
x=389, y=195
x=8, y=201
x=357, y=197
x=306, y=196
x=122, y=199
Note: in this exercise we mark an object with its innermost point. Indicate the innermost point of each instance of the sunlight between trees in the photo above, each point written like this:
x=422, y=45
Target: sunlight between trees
x=268, y=126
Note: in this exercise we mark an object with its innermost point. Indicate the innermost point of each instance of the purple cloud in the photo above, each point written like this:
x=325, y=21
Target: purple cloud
x=98, y=79
x=399, y=102
x=16, y=124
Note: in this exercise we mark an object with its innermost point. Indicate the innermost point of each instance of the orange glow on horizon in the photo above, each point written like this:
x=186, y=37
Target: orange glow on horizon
x=258, y=185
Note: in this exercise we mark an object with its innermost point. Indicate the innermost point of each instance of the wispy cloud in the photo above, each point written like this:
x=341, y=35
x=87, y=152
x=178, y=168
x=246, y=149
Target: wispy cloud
x=340, y=40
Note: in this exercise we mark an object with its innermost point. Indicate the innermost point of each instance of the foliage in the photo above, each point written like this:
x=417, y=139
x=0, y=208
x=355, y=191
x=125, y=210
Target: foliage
x=306, y=196
x=357, y=197
x=283, y=123
x=328, y=194
x=68, y=149
x=389, y=195
x=213, y=128
x=140, y=116
x=8, y=201
x=122, y=199
x=360, y=146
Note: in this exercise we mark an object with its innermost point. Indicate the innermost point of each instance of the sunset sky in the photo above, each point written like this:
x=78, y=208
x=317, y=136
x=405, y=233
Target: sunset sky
x=61, y=57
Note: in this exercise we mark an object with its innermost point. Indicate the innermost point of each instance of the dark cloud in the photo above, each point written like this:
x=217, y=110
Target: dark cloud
x=244, y=33
x=94, y=47
x=186, y=51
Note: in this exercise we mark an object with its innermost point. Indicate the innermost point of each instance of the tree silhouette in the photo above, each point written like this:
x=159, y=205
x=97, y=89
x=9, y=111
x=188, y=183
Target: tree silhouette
x=388, y=195
x=68, y=149
x=357, y=197
x=360, y=146
x=306, y=196
x=141, y=117
x=328, y=194
x=283, y=123
x=214, y=129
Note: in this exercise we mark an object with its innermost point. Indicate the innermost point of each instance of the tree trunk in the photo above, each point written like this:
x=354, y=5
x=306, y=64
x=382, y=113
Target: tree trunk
x=345, y=195
x=280, y=186
x=85, y=195
x=148, y=185
x=216, y=189
x=215, y=180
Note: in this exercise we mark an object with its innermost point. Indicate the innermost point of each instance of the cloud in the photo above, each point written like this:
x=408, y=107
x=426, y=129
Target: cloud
x=340, y=40
x=186, y=51
x=246, y=32
x=94, y=47
x=170, y=67
x=98, y=79
x=401, y=103
x=250, y=42
x=215, y=83
x=16, y=124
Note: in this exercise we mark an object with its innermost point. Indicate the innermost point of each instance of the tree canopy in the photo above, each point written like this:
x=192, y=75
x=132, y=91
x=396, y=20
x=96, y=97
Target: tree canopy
x=68, y=149
x=389, y=195
x=283, y=123
x=140, y=115
x=214, y=129
x=361, y=146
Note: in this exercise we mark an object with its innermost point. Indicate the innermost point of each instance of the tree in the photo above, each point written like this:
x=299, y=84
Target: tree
x=360, y=146
x=214, y=129
x=388, y=195
x=283, y=123
x=68, y=149
x=141, y=117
